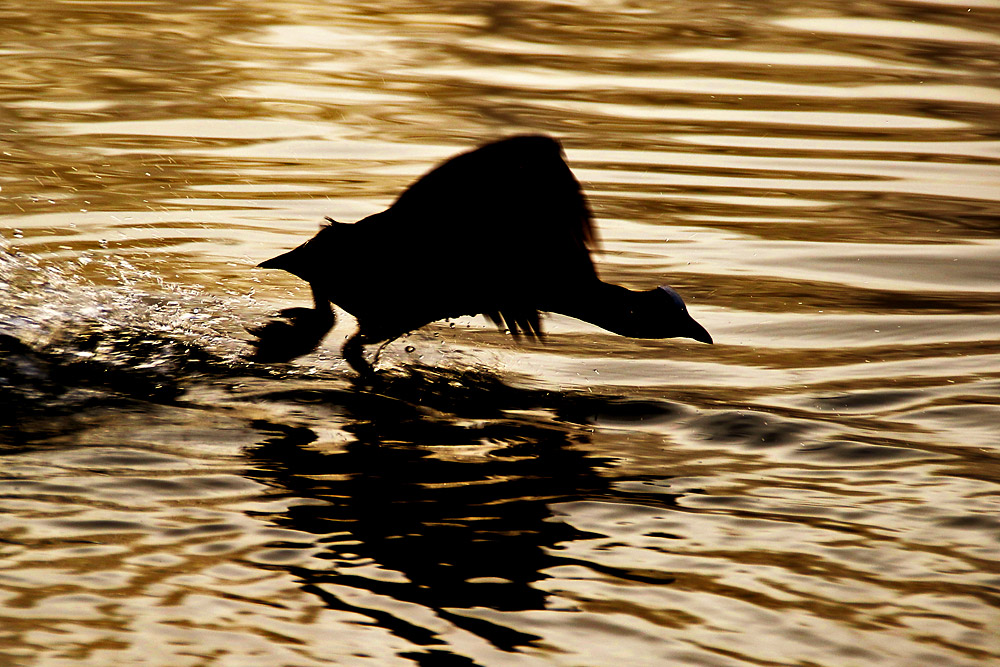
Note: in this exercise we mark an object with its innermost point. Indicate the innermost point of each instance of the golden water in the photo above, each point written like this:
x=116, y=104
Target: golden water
x=821, y=181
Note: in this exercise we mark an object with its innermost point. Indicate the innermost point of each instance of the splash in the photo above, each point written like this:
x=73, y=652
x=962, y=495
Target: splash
x=66, y=344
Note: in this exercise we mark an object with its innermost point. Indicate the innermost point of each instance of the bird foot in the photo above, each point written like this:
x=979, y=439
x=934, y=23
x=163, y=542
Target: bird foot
x=293, y=333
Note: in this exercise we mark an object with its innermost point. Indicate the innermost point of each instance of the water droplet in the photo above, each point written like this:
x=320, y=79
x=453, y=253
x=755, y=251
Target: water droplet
x=410, y=349
x=18, y=234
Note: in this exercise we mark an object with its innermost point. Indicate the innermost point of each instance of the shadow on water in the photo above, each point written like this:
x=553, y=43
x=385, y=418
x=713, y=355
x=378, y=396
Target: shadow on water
x=447, y=511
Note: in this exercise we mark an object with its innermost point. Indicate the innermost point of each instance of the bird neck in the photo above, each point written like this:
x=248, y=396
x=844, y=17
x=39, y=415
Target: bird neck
x=321, y=302
x=611, y=307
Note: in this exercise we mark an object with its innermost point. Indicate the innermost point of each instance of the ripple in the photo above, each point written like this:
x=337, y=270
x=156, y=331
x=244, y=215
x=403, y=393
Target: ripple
x=976, y=149
x=741, y=117
x=854, y=453
x=540, y=78
x=818, y=487
x=208, y=128
x=872, y=27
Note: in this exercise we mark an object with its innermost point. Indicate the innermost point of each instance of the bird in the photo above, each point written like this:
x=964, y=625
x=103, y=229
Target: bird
x=503, y=230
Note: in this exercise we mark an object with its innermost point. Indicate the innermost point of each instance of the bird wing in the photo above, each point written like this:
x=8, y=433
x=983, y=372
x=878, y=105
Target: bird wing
x=498, y=230
x=523, y=178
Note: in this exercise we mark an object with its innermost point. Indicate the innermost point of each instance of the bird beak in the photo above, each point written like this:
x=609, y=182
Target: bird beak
x=698, y=332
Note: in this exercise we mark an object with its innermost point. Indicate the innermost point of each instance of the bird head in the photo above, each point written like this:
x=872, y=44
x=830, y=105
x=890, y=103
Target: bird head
x=666, y=316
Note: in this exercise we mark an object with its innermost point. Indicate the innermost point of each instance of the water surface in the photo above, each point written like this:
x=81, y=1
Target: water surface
x=821, y=486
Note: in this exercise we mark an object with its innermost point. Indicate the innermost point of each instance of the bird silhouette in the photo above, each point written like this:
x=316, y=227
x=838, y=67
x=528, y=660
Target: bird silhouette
x=503, y=230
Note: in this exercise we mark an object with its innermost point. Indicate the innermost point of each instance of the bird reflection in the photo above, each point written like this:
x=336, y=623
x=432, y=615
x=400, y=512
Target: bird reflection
x=462, y=534
x=503, y=231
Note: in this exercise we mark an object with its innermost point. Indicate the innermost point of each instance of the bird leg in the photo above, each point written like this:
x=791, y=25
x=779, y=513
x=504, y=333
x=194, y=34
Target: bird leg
x=354, y=354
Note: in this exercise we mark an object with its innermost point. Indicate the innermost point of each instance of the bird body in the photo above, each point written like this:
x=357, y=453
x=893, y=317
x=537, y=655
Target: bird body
x=503, y=230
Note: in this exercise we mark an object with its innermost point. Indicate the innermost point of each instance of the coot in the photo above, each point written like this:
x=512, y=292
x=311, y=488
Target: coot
x=503, y=230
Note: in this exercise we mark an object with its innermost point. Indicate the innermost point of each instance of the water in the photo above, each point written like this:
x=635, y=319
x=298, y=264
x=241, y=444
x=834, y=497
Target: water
x=820, y=487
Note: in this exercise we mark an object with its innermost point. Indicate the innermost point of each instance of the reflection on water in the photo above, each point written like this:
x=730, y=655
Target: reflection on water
x=822, y=182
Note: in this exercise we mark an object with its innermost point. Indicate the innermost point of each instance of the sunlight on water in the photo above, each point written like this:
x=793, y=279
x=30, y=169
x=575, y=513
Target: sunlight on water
x=896, y=29
x=820, y=182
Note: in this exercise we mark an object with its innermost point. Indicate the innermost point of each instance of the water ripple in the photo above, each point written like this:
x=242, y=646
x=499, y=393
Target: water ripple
x=818, y=487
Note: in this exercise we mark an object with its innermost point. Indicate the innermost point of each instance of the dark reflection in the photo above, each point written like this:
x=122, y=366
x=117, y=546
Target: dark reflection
x=43, y=389
x=464, y=534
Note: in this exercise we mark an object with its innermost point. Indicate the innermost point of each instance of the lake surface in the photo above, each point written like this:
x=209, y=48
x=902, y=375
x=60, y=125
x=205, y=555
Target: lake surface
x=821, y=181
